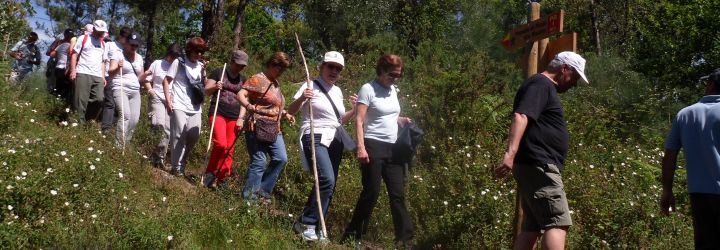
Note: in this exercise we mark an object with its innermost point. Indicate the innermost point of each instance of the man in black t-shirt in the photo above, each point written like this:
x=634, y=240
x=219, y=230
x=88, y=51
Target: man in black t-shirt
x=536, y=149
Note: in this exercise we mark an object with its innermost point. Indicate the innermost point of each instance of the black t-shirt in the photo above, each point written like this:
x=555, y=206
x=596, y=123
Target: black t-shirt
x=546, y=137
x=229, y=105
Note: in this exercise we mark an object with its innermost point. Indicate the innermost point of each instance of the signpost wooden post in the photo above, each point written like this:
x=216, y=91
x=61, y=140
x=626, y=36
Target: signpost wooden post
x=539, y=50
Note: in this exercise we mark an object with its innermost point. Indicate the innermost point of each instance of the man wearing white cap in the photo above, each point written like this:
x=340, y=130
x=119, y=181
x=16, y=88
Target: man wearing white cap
x=87, y=69
x=536, y=150
x=330, y=138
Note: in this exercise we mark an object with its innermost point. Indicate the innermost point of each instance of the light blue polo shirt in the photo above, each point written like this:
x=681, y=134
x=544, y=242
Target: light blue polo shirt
x=696, y=128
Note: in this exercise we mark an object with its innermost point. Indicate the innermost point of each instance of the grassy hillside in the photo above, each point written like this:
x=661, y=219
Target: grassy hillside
x=66, y=186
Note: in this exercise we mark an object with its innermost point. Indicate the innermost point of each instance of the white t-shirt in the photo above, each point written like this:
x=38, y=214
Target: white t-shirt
x=382, y=113
x=129, y=78
x=93, y=56
x=323, y=114
x=61, y=54
x=115, y=52
x=181, y=88
x=159, y=69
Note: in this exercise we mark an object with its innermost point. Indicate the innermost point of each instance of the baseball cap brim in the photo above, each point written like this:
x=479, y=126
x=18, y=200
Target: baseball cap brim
x=582, y=75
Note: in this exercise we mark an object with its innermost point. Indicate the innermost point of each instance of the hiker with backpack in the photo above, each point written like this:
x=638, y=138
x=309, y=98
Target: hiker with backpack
x=26, y=54
x=158, y=113
x=63, y=85
x=329, y=114
x=184, y=102
x=228, y=111
x=87, y=69
x=125, y=70
x=264, y=102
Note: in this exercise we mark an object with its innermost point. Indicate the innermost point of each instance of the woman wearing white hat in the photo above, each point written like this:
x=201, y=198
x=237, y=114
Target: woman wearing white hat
x=330, y=138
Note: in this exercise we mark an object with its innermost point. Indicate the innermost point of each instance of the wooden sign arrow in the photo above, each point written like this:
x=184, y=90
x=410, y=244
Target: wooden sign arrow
x=535, y=30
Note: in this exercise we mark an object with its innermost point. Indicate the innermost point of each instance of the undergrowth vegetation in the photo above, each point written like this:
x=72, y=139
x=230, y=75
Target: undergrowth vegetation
x=66, y=185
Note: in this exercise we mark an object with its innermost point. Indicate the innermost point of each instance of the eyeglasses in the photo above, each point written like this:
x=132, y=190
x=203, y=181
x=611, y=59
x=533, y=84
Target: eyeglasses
x=394, y=75
x=334, y=67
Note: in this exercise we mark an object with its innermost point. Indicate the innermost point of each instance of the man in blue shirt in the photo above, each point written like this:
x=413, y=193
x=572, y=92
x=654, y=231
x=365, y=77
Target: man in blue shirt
x=697, y=129
x=26, y=54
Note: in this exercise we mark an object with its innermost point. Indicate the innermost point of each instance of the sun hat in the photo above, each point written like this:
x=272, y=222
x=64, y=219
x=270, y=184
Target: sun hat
x=100, y=25
x=573, y=60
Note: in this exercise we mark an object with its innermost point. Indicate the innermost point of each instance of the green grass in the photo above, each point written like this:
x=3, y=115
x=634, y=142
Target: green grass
x=66, y=186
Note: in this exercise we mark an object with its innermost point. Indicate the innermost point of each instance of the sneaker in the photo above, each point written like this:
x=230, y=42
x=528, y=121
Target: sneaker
x=208, y=180
x=309, y=234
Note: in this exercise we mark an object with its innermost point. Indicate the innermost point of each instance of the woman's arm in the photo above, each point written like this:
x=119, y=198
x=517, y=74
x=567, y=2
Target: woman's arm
x=350, y=113
x=115, y=67
x=361, y=111
x=166, y=91
x=147, y=84
x=295, y=105
x=212, y=86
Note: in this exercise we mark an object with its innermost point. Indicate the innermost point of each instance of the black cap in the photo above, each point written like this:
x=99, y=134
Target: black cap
x=134, y=39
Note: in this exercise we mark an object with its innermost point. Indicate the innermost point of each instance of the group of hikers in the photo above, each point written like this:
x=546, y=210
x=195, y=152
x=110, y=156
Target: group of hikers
x=91, y=70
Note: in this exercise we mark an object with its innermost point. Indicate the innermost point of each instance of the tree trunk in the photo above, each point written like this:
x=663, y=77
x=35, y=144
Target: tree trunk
x=207, y=19
x=596, y=29
x=237, y=30
x=218, y=17
x=150, y=31
x=111, y=13
x=78, y=11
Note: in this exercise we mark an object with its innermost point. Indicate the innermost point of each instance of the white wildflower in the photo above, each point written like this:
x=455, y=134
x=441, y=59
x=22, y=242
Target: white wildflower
x=92, y=167
x=120, y=175
x=67, y=203
x=76, y=185
x=164, y=199
x=67, y=110
x=9, y=187
x=64, y=123
x=170, y=237
x=63, y=153
x=24, y=173
x=495, y=197
x=49, y=170
x=90, y=149
x=10, y=207
x=445, y=203
x=32, y=120
x=53, y=192
x=93, y=216
x=12, y=151
x=74, y=124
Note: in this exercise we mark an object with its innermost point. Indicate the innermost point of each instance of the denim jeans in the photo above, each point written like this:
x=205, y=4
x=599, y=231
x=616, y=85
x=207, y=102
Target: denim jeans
x=261, y=176
x=328, y=163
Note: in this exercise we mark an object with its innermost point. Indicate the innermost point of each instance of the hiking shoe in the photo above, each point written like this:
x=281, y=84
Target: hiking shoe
x=309, y=234
x=208, y=180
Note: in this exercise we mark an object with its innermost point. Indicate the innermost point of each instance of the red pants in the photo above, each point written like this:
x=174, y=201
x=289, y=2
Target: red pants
x=221, y=157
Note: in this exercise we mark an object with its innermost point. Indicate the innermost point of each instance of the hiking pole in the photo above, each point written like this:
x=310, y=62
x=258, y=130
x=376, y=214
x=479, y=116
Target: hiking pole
x=217, y=171
x=122, y=109
x=212, y=124
x=312, y=142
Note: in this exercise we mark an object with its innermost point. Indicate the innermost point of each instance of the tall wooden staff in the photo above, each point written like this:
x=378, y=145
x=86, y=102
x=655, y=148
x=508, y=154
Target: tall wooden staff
x=122, y=107
x=212, y=125
x=312, y=142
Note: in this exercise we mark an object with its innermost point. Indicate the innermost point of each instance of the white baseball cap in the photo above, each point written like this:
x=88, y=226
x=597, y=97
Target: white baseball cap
x=334, y=56
x=574, y=60
x=100, y=25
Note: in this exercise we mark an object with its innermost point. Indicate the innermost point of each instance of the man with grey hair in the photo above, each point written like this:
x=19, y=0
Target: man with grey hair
x=87, y=69
x=695, y=129
x=536, y=149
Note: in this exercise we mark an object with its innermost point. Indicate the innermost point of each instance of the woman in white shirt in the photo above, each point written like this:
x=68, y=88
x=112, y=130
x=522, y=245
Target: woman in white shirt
x=328, y=114
x=126, y=88
x=152, y=80
x=377, y=121
x=184, y=102
x=63, y=84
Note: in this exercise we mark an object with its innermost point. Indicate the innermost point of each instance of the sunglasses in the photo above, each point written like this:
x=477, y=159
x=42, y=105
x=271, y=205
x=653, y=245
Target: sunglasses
x=334, y=67
x=394, y=75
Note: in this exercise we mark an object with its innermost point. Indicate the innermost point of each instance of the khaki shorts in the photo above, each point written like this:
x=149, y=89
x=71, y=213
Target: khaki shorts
x=544, y=202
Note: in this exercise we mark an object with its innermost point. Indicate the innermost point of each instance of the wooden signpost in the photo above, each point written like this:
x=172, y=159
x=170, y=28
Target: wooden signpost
x=539, y=51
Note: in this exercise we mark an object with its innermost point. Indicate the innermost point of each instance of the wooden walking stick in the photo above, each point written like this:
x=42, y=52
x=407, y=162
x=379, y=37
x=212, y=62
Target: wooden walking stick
x=312, y=143
x=122, y=109
x=212, y=125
